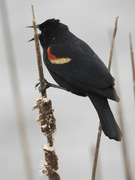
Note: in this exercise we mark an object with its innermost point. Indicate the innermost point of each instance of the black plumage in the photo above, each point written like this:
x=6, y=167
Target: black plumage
x=75, y=66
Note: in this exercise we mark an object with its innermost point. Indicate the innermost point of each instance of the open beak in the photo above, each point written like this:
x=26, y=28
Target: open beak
x=31, y=40
x=32, y=26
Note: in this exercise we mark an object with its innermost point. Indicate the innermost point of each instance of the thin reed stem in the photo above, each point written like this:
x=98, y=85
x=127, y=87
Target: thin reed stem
x=99, y=167
x=39, y=59
x=124, y=145
x=112, y=43
x=126, y=160
x=15, y=89
x=132, y=62
x=100, y=128
x=96, y=152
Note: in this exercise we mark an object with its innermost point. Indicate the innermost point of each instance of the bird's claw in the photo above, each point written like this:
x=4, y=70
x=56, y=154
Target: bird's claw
x=47, y=85
x=37, y=85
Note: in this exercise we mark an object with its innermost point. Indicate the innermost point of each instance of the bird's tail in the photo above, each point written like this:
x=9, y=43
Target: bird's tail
x=106, y=117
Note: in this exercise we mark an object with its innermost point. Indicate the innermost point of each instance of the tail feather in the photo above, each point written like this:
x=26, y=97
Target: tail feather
x=108, y=123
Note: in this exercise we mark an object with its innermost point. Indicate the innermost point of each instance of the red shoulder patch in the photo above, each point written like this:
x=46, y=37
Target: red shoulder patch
x=55, y=60
x=51, y=56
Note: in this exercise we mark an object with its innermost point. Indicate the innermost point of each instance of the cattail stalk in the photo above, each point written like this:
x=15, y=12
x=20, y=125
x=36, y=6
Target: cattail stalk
x=39, y=59
x=100, y=128
x=126, y=160
x=46, y=118
x=127, y=165
x=17, y=100
x=124, y=145
x=132, y=62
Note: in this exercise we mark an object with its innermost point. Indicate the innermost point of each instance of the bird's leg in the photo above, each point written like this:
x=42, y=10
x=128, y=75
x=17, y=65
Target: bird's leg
x=47, y=85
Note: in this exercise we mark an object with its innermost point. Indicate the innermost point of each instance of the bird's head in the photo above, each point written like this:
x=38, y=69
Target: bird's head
x=50, y=29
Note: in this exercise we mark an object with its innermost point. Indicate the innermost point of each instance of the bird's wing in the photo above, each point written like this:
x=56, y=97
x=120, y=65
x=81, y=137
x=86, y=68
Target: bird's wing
x=77, y=64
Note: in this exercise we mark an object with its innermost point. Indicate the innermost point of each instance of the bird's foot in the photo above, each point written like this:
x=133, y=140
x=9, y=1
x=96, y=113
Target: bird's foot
x=47, y=85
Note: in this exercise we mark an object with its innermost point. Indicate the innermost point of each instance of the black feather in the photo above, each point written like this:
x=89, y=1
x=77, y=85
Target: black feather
x=106, y=117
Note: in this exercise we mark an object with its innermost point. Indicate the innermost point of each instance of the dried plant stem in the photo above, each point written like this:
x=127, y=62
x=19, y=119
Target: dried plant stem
x=100, y=128
x=96, y=152
x=126, y=160
x=99, y=169
x=132, y=62
x=39, y=59
x=112, y=43
x=46, y=118
x=124, y=146
x=120, y=113
x=15, y=89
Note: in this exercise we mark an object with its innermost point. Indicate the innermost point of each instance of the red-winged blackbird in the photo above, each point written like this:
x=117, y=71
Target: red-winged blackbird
x=75, y=66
